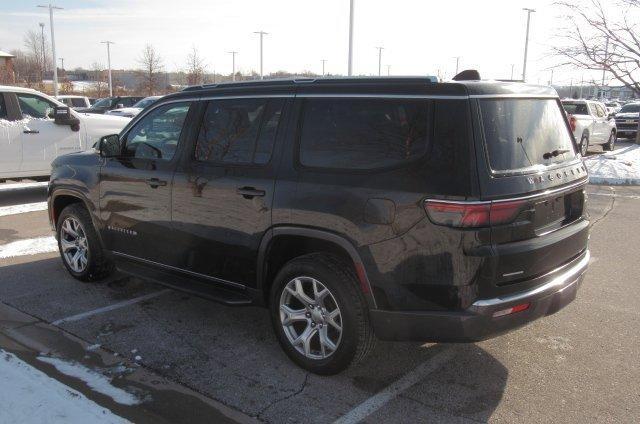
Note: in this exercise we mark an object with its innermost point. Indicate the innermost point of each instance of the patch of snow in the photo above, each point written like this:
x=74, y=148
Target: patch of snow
x=28, y=395
x=24, y=208
x=21, y=186
x=620, y=167
x=28, y=247
x=96, y=381
x=138, y=358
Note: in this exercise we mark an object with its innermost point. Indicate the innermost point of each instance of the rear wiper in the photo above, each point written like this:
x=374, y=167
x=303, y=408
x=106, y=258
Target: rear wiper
x=553, y=154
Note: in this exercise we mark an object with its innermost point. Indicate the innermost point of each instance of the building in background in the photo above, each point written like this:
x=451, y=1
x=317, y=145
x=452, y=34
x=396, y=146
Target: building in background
x=7, y=75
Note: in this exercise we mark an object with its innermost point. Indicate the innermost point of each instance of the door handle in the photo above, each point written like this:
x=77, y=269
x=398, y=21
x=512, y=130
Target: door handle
x=155, y=183
x=250, y=192
x=28, y=131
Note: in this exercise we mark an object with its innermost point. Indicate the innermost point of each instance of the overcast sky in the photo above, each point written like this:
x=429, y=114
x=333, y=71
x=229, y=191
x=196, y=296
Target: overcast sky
x=418, y=36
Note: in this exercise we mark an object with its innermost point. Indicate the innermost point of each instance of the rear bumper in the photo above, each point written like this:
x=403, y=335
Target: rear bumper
x=478, y=322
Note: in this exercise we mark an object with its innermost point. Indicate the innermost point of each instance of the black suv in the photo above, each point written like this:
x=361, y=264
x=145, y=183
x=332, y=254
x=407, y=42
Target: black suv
x=396, y=208
x=110, y=103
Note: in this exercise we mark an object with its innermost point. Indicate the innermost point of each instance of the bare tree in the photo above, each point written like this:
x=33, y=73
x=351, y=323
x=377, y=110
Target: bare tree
x=38, y=52
x=597, y=40
x=99, y=78
x=151, y=63
x=195, y=68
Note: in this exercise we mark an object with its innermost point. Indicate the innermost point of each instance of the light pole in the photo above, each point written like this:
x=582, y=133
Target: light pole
x=388, y=70
x=380, y=60
x=53, y=47
x=457, y=58
x=350, y=66
x=604, y=67
x=526, y=44
x=512, y=66
x=44, y=56
x=62, y=63
x=323, y=62
x=233, y=64
x=262, y=34
x=108, y=43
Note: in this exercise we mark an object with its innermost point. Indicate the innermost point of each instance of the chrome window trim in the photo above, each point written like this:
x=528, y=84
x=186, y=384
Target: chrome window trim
x=514, y=96
x=184, y=271
x=382, y=96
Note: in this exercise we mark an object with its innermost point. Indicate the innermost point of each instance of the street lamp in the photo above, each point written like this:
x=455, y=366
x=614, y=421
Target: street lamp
x=44, y=56
x=262, y=34
x=350, y=65
x=233, y=62
x=109, y=43
x=526, y=44
x=457, y=58
x=323, y=62
x=53, y=47
x=380, y=60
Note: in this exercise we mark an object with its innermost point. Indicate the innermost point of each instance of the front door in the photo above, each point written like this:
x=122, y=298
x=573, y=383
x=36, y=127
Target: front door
x=224, y=193
x=42, y=139
x=135, y=187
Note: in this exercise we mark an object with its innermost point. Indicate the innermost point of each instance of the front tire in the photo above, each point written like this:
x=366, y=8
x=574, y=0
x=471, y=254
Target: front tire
x=319, y=314
x=610, y=144
x=79, y=246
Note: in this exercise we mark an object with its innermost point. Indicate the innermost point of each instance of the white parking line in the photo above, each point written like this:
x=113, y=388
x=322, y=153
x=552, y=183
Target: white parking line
x=28, y=247
x=380, y=399
x=24, y=208
x=119, y=305
x=624, y=196
x=21, y=186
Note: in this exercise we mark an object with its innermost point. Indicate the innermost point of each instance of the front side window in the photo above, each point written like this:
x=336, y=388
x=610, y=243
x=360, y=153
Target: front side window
x=238, y=131
x=600, y=110
x=105, y=103
x=157, y=134
x=33, y=106
x=362, y=133
x=525, y=133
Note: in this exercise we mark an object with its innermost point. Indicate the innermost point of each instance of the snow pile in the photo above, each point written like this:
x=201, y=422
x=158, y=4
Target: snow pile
x=620, y=167
x=28, y=395
x=28, y=247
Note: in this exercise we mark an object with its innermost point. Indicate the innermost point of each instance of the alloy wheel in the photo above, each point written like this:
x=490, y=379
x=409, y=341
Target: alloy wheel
x=74, y=244
x=310, y=317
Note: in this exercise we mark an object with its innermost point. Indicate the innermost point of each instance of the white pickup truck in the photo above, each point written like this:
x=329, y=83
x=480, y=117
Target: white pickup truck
x=36, y=128
x=590, y=124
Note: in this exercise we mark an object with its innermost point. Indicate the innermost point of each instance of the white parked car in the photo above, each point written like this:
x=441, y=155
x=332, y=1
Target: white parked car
x=36, y=128
x=590, y=124
x=74, y=101
x=132, y=111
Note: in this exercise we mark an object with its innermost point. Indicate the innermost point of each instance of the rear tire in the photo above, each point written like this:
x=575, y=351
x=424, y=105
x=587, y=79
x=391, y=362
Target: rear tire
x=610, y=144
x=584, y=145
x=79, y=246
x=321, y=331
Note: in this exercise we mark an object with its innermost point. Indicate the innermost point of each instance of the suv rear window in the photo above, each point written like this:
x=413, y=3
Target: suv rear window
x=576, y=108
x=362, y=133
x=523, y=134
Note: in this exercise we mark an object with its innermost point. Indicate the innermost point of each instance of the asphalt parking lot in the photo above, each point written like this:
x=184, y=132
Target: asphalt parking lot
x=579, y=365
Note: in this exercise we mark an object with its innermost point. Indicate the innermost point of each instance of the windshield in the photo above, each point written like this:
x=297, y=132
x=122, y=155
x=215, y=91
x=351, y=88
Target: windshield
x=525, y=134
x=108, y=102
x=575, y=108
x=145, y=102
x=631, y=108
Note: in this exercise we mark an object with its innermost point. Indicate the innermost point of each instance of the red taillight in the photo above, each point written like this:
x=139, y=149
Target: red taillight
x=512, y=310
x=472, y=214
x=572, y=122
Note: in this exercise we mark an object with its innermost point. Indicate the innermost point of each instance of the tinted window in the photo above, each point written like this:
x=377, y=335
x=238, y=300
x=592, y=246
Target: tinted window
x=156, y=136
x=106, y=103
x=34, y=106
x=523, y=133
x=238, y=131
x=630, y=108
x=3, y=108
x=362, y=133
x=576, y=108
x=78, y=103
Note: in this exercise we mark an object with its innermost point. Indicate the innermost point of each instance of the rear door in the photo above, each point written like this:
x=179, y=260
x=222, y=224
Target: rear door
x=531, y=173
x=223, y=194
x=10, y=133
x=135, y=187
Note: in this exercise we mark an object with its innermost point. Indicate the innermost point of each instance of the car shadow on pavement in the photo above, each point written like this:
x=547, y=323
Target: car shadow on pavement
x=231, y=354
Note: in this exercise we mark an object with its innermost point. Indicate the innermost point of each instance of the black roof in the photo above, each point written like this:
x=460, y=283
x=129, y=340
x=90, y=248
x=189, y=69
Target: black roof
x=418, y=85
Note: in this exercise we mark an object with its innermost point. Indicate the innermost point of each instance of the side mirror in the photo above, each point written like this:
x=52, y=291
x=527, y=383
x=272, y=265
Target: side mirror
x=119, y=106
x=62, y=116
x=109, y=146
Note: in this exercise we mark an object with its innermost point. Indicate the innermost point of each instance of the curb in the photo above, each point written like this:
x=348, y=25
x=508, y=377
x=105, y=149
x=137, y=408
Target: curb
x=614, y=181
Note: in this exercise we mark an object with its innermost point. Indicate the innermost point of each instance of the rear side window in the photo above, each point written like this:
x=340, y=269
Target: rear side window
x=576, y=108
x=78, y=102
x=362, y=134
x=238, y=131
x=522, y=134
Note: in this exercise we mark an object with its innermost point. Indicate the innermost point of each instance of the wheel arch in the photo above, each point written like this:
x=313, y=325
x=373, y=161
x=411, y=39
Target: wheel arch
x=61, y=198
x=282, y=244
